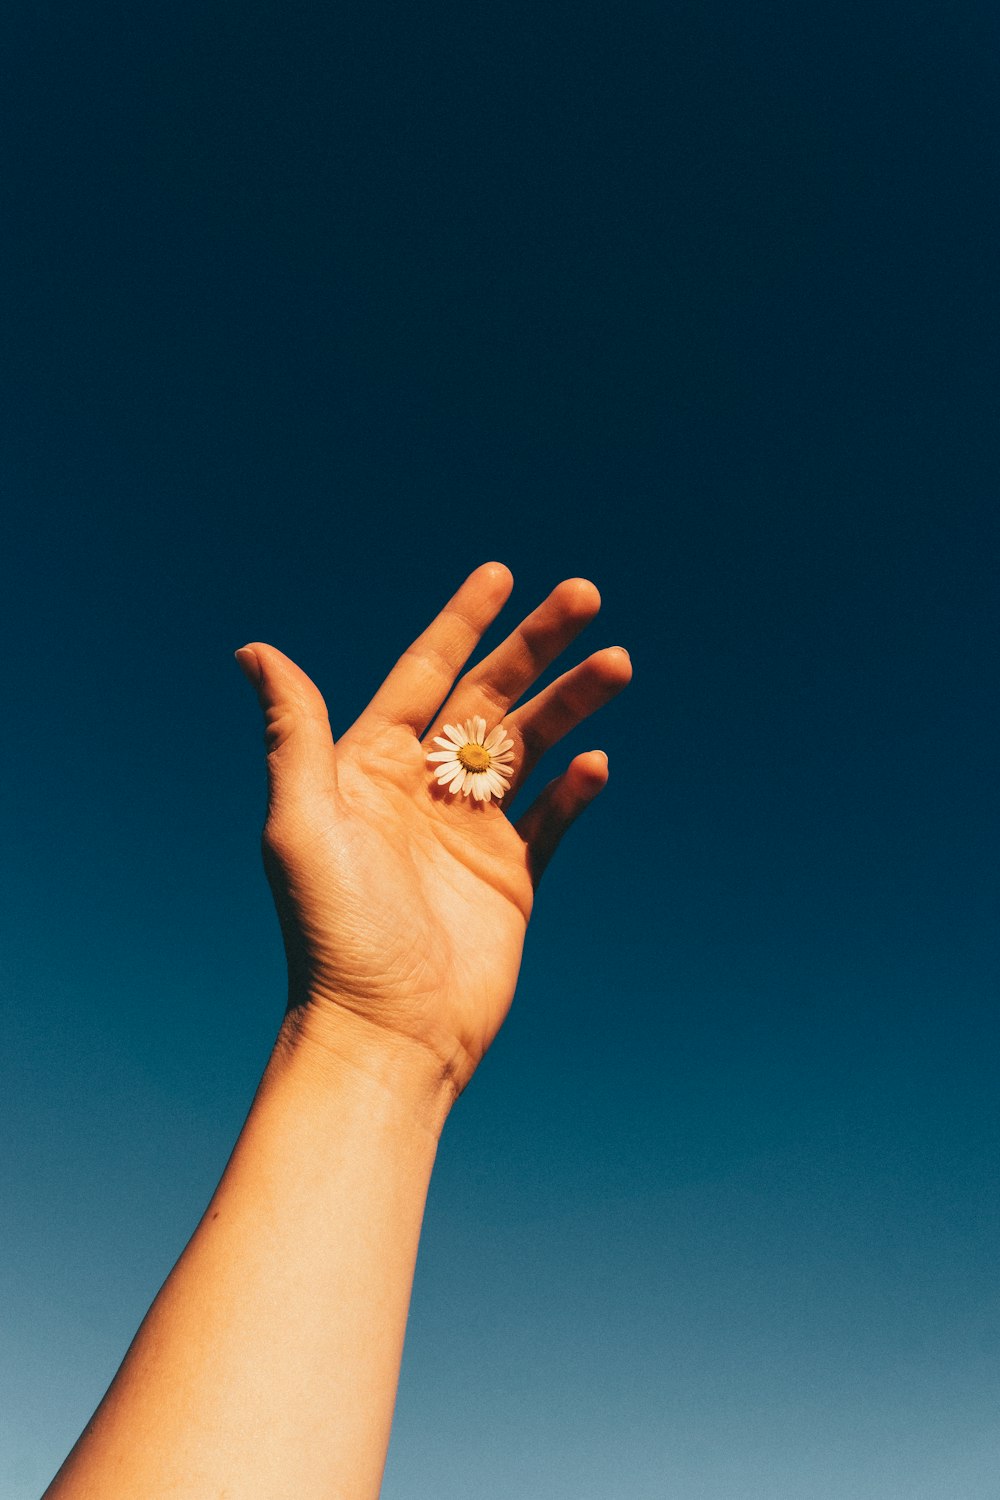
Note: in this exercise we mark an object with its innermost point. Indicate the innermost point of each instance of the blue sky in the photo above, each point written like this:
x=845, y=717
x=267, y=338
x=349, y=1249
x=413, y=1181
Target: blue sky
x=310, y=311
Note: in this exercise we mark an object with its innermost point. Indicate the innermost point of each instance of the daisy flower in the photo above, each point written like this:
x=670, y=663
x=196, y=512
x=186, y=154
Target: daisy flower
x=473, y=762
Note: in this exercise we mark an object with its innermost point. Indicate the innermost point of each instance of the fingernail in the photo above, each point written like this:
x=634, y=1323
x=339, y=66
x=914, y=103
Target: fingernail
x=248, y=665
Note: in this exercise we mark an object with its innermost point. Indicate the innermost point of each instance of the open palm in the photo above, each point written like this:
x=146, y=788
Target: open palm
x=404, y=906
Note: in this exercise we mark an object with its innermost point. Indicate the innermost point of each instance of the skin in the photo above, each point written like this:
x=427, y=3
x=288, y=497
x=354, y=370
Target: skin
x=267, y=1365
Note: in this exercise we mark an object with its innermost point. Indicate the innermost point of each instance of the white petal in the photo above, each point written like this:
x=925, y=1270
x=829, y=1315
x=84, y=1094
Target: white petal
x=448, y=773
x=500, y=778
x=445, y=744
x=480, y=729
x=478, y=787
x=444, y=755
x=455, y=784
x=455, y=735
x=493, y=782
x=467, y=788
x=506, y=744
x=505, y=767
x=493, y=736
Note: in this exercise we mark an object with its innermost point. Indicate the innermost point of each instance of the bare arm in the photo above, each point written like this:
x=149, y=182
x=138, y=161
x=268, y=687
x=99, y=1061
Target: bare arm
x=268, y=1363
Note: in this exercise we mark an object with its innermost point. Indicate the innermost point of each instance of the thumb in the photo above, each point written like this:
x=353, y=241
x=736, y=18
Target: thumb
x=296, y=727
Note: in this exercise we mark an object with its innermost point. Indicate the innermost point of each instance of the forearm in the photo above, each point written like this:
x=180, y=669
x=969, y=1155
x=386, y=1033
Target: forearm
x=268, y=1363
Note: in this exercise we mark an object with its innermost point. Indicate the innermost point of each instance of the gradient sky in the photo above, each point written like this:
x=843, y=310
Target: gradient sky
x=309, y=309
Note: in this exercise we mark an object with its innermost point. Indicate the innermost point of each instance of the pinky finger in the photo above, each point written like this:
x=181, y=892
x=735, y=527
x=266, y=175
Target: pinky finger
x=562, y=801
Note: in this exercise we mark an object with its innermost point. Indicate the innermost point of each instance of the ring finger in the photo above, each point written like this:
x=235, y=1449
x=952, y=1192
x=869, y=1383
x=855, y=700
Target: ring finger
x=565, y=703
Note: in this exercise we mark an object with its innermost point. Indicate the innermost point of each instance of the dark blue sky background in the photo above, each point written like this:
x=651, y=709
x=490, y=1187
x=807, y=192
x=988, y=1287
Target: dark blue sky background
x=307, y=310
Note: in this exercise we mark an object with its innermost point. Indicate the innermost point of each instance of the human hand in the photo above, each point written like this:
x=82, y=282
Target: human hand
x=403, y=906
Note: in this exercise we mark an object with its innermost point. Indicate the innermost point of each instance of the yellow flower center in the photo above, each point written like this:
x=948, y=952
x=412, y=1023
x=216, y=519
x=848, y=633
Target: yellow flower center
x=474, y=758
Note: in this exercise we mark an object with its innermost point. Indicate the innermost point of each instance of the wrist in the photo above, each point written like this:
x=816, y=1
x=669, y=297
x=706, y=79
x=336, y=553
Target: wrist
x=330, y=1048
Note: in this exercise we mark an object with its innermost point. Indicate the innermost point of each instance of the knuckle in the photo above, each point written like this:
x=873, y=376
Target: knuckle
x=495, y=695
x=279, y=726
x=533, y=743
x=432, y=660
x=464, y=623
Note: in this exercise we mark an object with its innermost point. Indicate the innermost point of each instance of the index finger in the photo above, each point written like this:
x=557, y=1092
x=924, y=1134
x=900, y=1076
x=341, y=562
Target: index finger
x=424, y=674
